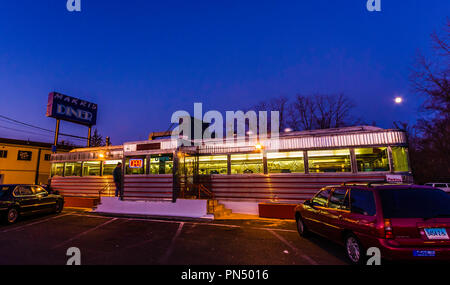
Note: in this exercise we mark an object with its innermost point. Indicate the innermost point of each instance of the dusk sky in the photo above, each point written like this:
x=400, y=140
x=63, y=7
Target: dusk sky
x=140, y=61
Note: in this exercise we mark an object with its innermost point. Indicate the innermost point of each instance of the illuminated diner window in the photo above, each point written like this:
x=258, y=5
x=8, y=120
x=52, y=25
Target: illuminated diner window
x=400, y=159
x=109, y=166
x=57, y=169
x=91, y=168
x=161, y=164
x=247, y=163
x=372, y=159
x=135, y=165
x=285, y=162
x=320, y=161
x=72, y=169
x=215, y=164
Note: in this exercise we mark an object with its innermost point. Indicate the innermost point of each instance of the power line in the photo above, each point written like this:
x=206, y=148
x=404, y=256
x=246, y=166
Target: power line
x=25, y=131
x=25, y=124
x=43, y=129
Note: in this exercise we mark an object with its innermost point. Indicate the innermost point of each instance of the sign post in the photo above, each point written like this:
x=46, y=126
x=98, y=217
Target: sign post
x=89, y=137
x=56, y=133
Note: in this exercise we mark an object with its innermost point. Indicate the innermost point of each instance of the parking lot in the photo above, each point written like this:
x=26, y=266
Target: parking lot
x=121, y=240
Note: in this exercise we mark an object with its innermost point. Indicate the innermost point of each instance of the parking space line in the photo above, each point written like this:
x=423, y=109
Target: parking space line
x=217, y=225
x=296, y=250
x=152, y=220
x=84, y=233
x=91, y=216
x=275, y=229
x=18, y=228
x=187, y=222
x=166, y=256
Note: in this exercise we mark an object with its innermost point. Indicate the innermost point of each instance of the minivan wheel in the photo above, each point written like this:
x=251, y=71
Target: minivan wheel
x=354, y=250
x=301, y=228
x=12, y=215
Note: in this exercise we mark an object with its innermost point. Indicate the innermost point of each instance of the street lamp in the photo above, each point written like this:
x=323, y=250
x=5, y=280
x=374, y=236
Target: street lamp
x=398, y=100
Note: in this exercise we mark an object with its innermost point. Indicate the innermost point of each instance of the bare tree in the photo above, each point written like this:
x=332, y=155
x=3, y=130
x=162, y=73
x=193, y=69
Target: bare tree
x=301, y=113
x=280, y=104
x=321, y=111
x=430, y=76
x=430, y=153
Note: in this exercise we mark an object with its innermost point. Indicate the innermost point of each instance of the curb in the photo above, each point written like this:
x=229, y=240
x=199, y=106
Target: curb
x=155, y=217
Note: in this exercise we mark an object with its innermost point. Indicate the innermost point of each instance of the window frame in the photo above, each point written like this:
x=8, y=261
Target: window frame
x=268, y=160
x=74, y=162
x=308, y=159
x=29, y=155
x=392, y=164
x=41, y=190
x=149, y=163
x=3, y=153
x=126, y=168
x=317, y=194
x=260, y=161
x=388, y=153
x=350, y=190
x=343, y=200
x=22, y=195
x=82, y=168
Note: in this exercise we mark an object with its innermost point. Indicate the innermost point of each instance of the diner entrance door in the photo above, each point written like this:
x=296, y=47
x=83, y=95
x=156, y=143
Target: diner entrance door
x=187, y=179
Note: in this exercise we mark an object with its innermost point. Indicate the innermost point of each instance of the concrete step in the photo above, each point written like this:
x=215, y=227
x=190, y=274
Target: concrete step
x=219, y=208
x=220, y=211
x=212, y=205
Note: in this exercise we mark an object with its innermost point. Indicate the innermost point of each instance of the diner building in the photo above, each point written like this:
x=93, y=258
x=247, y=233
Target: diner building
x=285, y=170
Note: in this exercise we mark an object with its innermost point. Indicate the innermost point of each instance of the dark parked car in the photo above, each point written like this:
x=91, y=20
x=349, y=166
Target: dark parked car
x=22, y=200
x=406, y=222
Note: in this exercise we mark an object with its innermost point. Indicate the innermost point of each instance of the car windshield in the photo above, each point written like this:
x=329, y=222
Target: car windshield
x=415, y=203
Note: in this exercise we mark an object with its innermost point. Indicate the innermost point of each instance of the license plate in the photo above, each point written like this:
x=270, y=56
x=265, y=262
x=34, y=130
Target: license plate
x=424, y=253
x=436, y=233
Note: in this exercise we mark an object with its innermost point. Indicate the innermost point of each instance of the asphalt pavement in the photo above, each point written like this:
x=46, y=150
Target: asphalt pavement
x=103, y=240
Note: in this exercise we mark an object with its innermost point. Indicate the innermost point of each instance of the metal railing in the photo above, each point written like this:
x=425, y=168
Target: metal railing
x=203, y=189
x=107, y=188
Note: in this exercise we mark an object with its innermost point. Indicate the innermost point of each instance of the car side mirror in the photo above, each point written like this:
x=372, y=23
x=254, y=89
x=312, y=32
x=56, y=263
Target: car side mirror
x=307, y=203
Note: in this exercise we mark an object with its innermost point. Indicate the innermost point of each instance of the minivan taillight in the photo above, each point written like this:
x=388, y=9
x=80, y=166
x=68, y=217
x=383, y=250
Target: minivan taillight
x=388, y=229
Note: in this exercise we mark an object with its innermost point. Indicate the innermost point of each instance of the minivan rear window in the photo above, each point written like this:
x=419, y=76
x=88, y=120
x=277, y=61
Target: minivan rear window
x=414, y=203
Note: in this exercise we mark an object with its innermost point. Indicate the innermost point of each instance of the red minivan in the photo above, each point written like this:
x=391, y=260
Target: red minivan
x=405, y=222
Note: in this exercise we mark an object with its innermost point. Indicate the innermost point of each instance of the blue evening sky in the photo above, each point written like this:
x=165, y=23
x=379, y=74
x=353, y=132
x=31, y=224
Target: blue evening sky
x=143, y=60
